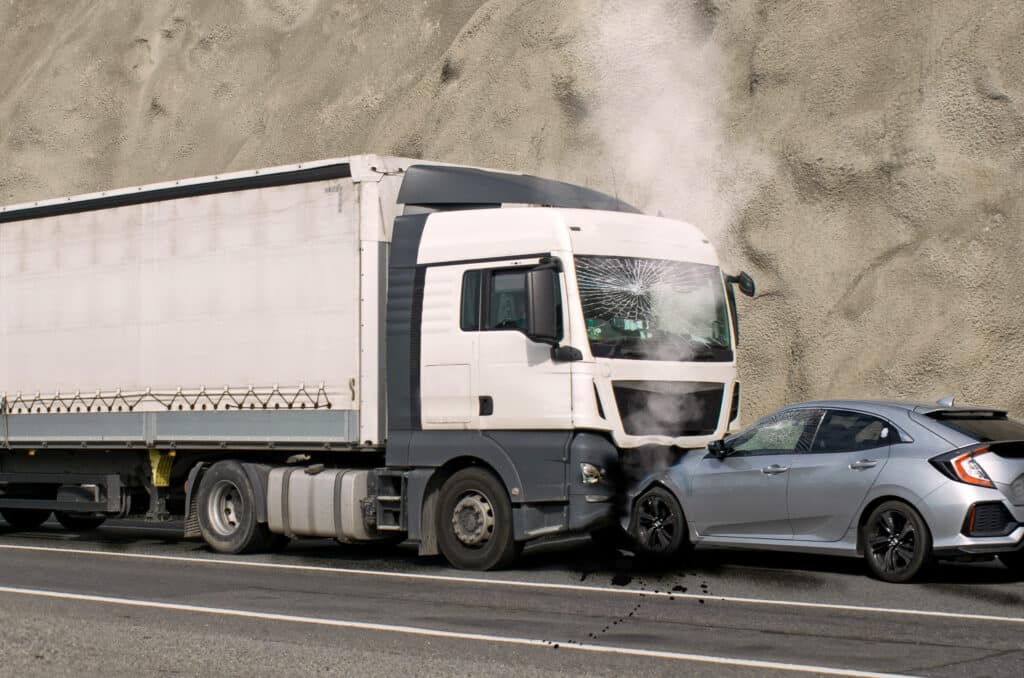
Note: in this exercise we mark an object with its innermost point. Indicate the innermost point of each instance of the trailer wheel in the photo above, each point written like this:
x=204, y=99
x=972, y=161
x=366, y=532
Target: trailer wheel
x=474, y=521
x=80, y=522
x=24, y=519
x=227, y=511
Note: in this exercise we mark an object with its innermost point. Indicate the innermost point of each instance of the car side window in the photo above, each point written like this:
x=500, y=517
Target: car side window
x=783, y=433
x=843, y=431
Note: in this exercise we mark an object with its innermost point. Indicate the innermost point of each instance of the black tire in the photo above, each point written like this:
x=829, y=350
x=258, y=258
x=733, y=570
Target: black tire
x=896, y=541
x=1014, y=561
x=24, y=519
x=227, y=511
x=474, y=521
x=80, y=522
x=658, y=526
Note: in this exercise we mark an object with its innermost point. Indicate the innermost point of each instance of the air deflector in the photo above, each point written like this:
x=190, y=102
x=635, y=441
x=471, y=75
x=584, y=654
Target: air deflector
x=448, y=188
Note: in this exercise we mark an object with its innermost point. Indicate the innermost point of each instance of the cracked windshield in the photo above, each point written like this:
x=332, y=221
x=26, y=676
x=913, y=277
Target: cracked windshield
x=654, y=309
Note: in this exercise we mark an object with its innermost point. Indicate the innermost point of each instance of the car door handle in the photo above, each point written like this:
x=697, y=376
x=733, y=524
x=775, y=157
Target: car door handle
x=863, y=464
x=774, y=469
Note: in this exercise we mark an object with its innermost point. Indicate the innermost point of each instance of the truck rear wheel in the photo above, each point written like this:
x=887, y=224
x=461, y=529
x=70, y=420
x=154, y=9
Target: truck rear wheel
x=227, y=511
x=79, y=521
x=24, y=519
x=474, y=521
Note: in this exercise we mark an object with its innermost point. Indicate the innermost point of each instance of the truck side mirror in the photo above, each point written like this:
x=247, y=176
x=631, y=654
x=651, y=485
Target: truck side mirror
x=744, y=282
x=541, y=310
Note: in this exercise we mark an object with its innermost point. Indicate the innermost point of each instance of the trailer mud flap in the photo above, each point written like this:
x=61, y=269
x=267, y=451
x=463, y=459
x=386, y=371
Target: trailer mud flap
x=195, y=476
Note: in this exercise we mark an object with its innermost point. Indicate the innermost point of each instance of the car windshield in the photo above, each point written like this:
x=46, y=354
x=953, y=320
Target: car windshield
x=654, y=309
x=984, y=429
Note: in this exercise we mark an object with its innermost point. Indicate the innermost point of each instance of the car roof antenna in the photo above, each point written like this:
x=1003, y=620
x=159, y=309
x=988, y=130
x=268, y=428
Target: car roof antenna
x=947, y=401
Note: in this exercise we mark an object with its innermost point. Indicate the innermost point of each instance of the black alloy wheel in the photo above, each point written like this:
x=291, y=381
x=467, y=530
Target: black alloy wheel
x=658, y=525
x=897, y=544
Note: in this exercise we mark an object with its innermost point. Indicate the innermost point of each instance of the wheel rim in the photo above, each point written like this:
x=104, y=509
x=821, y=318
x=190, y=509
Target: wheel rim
x=225, y=508
x=473, y=519
x=658, y=523
x=893, y=541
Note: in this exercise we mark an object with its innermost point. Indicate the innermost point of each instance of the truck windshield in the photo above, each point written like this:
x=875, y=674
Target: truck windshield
x=654, y=309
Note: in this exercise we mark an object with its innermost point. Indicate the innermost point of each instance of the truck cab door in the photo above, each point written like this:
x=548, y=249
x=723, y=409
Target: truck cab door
x=520, y=385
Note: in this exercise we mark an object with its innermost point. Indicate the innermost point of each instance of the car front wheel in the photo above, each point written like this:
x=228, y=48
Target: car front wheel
x=658, y=526
x=896, y=541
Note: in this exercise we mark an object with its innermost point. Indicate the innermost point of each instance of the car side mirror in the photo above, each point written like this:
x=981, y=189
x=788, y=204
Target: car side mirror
x=541, y=311
x=719, y=449
x=744, y=282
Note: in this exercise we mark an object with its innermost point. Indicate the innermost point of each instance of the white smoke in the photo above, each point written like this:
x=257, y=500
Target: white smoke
x=662, y=114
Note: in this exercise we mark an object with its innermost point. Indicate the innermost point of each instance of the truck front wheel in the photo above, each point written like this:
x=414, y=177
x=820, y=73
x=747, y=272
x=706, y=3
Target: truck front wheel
x=227, y=511
x=474, y=530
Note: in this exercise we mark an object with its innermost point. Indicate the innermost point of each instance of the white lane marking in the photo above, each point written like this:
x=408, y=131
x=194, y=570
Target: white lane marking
x=438, y=633
x=619, y=590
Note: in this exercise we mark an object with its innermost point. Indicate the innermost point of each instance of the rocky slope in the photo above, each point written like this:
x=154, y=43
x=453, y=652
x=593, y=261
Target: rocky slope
x=864, y=160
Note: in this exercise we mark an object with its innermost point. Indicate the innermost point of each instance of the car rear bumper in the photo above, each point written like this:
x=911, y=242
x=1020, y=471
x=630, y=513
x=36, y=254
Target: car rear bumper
x=947, y=511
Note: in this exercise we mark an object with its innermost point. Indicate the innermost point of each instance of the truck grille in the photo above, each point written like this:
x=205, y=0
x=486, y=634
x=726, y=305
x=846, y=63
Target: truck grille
x=669, y=408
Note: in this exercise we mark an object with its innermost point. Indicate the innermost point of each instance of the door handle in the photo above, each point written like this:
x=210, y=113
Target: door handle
x=863, y=464
x=774, y=469
x=486, y=406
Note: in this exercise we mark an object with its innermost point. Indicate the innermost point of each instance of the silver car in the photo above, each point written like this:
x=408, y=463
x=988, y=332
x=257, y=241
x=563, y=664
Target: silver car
x=895, y=483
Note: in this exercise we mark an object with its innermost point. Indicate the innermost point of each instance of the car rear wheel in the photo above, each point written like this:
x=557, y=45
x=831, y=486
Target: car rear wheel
x=896, y=541
x=658, y=526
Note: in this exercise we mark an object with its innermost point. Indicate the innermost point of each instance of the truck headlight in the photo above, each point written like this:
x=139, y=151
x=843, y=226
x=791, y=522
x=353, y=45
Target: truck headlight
x=591, y=475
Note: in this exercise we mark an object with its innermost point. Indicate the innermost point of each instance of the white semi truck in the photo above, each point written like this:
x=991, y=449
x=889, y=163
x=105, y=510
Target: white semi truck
x=368, y=348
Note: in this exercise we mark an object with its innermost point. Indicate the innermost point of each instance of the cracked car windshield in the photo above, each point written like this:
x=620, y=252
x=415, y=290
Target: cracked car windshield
x=654, y=309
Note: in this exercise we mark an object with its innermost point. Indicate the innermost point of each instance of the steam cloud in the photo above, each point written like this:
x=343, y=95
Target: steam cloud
x=663, y=120
x=662, y=114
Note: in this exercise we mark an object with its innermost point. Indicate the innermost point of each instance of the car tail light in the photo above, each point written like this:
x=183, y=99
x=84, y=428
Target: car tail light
x=962, y=465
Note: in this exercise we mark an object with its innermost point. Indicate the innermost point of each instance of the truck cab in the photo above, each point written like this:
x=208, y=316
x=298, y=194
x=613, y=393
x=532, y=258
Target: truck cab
x=556, y=342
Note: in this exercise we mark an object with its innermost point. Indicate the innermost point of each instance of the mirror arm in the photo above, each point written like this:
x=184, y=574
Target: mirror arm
x=566, y=354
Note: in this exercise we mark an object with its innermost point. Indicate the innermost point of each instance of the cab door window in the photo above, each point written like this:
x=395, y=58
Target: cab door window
x=496, y=299
x=506, y=301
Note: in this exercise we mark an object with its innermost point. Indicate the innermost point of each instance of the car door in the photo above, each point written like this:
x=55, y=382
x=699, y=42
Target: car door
x=828, y=482
x=744, y=493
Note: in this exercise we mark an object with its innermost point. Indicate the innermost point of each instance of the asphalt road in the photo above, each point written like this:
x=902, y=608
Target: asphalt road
x=132, y=600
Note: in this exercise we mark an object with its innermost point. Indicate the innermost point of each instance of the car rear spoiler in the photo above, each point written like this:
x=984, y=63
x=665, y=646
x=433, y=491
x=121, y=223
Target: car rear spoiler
x=938, y=412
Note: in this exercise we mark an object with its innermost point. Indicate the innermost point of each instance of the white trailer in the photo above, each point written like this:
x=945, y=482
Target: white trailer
x=364, y=348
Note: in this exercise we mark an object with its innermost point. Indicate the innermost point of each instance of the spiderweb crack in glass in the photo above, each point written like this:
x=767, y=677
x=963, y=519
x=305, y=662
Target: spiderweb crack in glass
x=653, y=309
x=619, y=287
